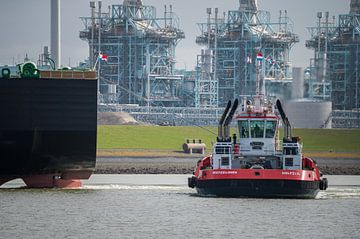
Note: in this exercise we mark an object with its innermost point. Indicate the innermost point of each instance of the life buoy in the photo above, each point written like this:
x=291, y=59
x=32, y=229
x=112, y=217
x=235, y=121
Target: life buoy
x=5, y=72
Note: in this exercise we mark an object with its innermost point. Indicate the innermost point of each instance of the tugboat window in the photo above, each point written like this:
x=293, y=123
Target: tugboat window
x=225, y=161
x=244, y=129
x=257, y=129
x=291, y=151
x=289, y=162
x=270, y=129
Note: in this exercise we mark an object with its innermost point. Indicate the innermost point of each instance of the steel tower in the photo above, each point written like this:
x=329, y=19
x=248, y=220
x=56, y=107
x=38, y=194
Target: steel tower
x=226, y=65
x=141, y=53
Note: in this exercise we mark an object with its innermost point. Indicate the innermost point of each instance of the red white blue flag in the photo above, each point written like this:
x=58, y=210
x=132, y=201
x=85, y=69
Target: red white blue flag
x=103, y=57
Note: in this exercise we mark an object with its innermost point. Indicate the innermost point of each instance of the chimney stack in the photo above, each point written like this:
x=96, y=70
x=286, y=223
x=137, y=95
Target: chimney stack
x=55, y=32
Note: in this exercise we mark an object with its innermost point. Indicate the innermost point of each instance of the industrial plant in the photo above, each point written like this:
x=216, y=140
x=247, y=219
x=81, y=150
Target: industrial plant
x=132, y=46
x=139, y=76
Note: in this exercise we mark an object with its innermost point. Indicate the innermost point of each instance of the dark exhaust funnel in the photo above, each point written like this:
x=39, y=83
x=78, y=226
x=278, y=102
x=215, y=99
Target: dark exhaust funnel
x=229, y=119
x=287, y=126
x=220, y=126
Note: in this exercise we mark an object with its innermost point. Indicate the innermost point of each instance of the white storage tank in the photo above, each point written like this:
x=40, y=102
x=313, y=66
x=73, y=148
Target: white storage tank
x=308, y=114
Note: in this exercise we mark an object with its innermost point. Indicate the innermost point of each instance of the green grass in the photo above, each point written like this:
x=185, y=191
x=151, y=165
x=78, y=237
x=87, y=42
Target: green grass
x=172, y=138
x=150, y=137
x=338, y=140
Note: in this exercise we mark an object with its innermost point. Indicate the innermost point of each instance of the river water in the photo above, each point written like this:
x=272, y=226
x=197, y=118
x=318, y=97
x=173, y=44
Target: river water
x=162, y=206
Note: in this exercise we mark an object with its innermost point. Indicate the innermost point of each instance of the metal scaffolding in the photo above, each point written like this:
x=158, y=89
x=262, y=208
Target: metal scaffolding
x=140, y=50
x=335, y=68
x=226, y=67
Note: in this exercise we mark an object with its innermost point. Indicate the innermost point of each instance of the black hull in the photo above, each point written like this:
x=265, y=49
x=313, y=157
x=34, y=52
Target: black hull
x=47, y=126
x=257, y=188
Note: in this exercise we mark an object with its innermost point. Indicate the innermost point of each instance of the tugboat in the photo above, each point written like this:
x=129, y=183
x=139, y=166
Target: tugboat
x=257, y=164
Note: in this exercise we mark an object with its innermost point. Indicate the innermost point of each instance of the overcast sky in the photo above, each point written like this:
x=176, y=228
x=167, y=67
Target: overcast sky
x=25, y=25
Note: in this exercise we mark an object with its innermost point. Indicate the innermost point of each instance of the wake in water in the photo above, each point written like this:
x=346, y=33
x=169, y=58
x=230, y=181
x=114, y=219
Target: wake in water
x=133, y=187
x=340, y=192
x=343, y=192
x=334, y=192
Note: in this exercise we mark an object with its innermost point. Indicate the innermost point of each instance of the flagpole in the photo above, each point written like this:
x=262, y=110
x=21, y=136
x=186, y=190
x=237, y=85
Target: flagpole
x=99, y=46
x=98, y=76
x=257, y=77
x=94, y=67
x=263, y=89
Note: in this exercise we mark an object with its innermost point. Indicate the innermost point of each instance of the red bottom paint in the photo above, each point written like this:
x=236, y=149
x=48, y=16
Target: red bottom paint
x=50, y=181
x=65, y=180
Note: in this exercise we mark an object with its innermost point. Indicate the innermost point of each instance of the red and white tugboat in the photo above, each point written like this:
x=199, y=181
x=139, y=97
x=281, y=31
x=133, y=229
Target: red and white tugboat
x=256, y=165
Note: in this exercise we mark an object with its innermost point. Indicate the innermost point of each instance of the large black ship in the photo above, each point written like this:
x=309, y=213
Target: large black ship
x=47, y=126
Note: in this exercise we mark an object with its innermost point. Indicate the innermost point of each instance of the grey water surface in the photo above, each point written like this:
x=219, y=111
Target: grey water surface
x=162, y=206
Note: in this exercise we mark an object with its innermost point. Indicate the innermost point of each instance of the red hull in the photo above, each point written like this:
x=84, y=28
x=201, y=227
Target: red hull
x=257, y=188
x=264, y=183
x=258, y=174
x=69, y=179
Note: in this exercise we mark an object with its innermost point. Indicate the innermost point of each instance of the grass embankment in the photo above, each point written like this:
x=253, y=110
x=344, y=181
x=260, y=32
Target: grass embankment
x=134, y=140
x=131, y=140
